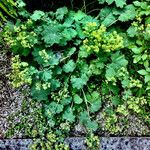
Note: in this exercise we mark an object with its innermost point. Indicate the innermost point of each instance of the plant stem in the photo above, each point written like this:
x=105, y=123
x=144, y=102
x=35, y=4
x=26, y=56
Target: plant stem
x=86, y=102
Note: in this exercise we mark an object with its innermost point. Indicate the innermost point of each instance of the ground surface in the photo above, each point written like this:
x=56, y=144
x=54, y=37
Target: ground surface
x=11, y=101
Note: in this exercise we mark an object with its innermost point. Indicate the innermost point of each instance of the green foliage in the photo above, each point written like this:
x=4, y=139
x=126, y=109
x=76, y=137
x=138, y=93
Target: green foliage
x=21, y=70
x=25, y=37
x=37, y=15
x=61, y=73
x=93, y=142
x=78, y=65
x=119, y=3
x=69, y=67
x=111, y=15
x=85, y=120
x=37, y=127
x=7, y=8
x=140, y=31
x=77, y=99
x=99, y=39
x=36, y=122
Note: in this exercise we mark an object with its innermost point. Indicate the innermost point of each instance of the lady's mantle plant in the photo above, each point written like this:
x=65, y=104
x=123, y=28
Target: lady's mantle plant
x=78, y=66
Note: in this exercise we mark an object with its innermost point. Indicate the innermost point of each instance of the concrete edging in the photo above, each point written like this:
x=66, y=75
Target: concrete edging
x=77, y=143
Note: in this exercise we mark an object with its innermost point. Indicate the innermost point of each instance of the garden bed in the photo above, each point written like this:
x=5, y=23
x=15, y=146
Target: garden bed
x=11, y=104
x=77, y=70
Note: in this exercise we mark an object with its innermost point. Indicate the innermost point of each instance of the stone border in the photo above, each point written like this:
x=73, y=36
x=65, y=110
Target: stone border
x=106, y=143
x=15, y=144
x=125, y=143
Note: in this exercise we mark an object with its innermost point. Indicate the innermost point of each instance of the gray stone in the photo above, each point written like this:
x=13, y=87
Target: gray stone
x=15, y=144
x=78, y=143
x=125, y=143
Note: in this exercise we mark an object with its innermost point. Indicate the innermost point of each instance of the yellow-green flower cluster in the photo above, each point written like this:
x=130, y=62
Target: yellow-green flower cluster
x=44, y=86
x=61, y=94
x=44, y=55
x=61, y=147
x=51, y=137
x=112, y=79
x=122, y=109
x=135, y=103
x=65, y=126
x=20, y=36
x=93, y=142
x=111, y=123
x=90, y=27
x=140, y=26
x=98, y=39
x=122, y=72
x=49, y=143
x=20, y=72
x=135, y=83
